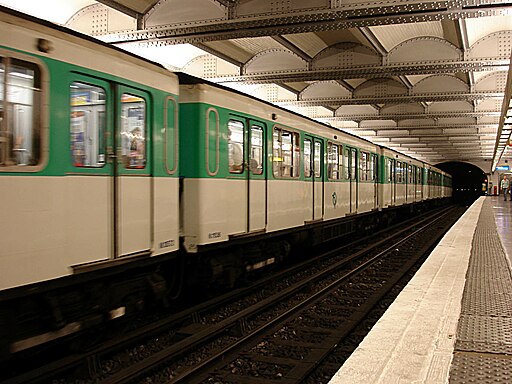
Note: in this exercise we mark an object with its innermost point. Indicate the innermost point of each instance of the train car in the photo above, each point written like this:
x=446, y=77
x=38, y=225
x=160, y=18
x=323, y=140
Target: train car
x=401, y=179
x=282, y=170
x=88, y=168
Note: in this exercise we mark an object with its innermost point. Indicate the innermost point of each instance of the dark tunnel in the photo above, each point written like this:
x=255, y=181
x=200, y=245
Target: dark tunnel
x=469, y=181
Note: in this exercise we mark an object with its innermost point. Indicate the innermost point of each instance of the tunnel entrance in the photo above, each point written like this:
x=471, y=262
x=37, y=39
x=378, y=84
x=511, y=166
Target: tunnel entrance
x=468, y=181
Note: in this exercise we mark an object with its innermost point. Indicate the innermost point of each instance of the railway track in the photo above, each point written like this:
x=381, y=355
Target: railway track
x=281, y=329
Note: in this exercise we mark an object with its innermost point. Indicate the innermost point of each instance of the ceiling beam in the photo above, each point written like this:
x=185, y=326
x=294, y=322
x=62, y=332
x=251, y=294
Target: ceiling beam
x=371, y=71
x=314, y=21
x=406, y=116
x=329, y=101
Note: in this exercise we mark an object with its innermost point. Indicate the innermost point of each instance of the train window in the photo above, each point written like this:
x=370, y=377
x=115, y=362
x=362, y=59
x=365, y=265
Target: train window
x=212, y=141
x=87, y=125
x=318, y=159
x=373, y=167
x=256, y=160
x=346, y=167
x=133, y=131
x=235, y=146
x=391, y=170
x=399, y=172
x=364, y=165
x=410, y=174
x=333, y=161
x=286, y=153
x=353, y=163
x=308, y=158
x=20, y=100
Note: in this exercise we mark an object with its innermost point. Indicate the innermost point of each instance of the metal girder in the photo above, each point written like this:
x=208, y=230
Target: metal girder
x=329, y=101
x=314, y=21
x=369, y=72
x=407, y=116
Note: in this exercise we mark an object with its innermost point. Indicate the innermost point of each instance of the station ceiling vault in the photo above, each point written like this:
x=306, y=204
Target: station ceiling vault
x=427, y=78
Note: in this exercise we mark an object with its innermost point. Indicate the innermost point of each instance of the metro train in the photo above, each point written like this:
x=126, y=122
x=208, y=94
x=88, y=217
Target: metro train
x=117, y=175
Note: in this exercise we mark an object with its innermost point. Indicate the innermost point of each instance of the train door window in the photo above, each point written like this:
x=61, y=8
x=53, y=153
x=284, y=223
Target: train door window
x=87, y=125
x=391, y=170
x=410, y=174
x=353, y=163
x=308, y=158
x=235, y=146
x=364, y=165
x=286, y=153
x=346, y=166
x=296, y=155
x=373, y=167
x=133, y=131
x=20, y=101
x=318, y=159
x=332, y=161
x=398, y=172
x=256, y=160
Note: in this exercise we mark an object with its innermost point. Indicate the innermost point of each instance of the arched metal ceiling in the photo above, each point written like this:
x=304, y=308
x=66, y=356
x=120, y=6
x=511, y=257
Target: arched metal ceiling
x=427, y=78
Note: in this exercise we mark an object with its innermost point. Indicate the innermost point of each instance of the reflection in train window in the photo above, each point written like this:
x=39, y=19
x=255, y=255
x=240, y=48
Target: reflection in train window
x=133, y=131
x=364, y=166
x=256, y=160
x=20, y=100
x=333, y=161
x=307, y=158
x=318, y=159
x=87, y=128
x=235, y=146
x=286, y=153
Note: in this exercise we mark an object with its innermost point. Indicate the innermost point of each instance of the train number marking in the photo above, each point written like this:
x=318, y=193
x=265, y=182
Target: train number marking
x=214, y=235
x=166, y=244
x=334, y=199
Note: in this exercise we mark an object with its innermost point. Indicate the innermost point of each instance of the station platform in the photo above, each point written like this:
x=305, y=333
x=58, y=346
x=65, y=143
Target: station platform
x=453, y=321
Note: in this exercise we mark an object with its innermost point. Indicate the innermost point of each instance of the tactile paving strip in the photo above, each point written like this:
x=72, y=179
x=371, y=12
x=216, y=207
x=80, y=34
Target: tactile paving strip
x=486, y=334
x=483, y=349
x=480, y=369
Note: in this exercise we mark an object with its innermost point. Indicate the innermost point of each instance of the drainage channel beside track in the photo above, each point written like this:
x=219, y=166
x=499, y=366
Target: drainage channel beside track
x=281, y=329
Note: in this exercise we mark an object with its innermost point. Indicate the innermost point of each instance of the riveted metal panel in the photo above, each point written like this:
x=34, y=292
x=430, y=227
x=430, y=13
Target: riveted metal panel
x=492, y=82
x=345, y=55
x=324, y=89
x=424, y=49
x=440, y=83
x=498, y=44
x=380, y=88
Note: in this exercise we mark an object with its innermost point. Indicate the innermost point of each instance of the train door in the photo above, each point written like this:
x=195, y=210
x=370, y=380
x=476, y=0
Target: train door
x=351, y=155
x=113, y=206
x=375, y=179
x=256, y=180
x=132, y=171
x=313, y=165
x=392, y=180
